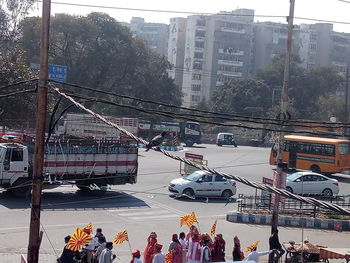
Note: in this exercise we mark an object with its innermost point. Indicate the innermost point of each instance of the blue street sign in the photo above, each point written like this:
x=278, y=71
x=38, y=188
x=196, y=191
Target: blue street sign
x=58, y=72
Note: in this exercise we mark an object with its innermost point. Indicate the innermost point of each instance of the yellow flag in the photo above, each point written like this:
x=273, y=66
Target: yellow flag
x=188, y=219
x=121, y=237
x=78, y=240
x=213, y=228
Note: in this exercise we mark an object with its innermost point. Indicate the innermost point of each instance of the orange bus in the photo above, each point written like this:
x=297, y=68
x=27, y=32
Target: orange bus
x=320, y=155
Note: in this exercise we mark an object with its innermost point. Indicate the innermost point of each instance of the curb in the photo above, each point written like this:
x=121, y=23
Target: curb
x=316, y=223
x=166, y=148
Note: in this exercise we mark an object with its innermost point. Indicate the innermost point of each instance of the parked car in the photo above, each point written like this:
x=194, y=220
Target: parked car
x=225, y=138
x=309, y=183
x=202, y=183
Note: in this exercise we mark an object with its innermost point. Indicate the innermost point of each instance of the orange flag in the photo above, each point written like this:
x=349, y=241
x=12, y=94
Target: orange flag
x=188, y=220
x=89, y=227
x=252, y=246
x=169, y=257
x=78, y=240
x=121, y=237
x=213, y=228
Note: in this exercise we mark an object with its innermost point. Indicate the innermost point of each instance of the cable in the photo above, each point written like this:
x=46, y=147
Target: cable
x=260, y=186
x=180, y=116
x=17, y=93
x=189, y=109
x=19, y=83
x=194, y=13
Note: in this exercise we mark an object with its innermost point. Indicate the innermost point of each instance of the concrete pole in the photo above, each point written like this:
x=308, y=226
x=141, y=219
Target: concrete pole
x=34, y=230
x=346, y=112
x=284, y=106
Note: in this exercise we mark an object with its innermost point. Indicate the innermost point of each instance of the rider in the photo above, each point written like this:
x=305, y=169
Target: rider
x=276, y=246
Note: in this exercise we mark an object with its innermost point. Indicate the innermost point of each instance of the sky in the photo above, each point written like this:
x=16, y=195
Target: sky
x=335, y=10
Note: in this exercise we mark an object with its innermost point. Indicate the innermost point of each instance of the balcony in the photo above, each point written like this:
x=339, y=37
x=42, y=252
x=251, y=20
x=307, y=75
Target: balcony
x=230, y=62
x=232, y=30
x=230, y=73
x=231, y=51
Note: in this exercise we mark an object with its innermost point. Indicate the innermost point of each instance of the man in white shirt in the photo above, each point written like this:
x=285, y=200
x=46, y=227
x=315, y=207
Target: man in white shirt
x=106, y=255
x=254, y=255
x=159, y=257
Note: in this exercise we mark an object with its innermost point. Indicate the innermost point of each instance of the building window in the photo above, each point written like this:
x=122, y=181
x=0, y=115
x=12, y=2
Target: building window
x=199, y=44
x=313, y=46
x=196, y=76
x=197, y=65
x=200, y=33
x=195, y=98
x=198, y=55
x=200, y=22
x=196, y=87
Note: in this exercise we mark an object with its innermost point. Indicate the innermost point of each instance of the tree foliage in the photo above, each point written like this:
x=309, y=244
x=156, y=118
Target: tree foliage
x=101, y=53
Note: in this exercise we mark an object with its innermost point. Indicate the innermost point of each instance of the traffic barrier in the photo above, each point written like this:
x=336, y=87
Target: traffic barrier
x=316, y=223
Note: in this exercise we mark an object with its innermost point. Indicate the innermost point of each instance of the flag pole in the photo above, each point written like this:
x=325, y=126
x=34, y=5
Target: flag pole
x=199, y=229
x=129, y=247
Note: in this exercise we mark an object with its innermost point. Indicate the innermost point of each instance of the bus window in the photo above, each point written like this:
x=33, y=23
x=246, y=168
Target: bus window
x=344, y=148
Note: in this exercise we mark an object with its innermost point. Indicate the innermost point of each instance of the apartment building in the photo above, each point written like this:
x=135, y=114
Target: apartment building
x=154, y=34
x=216, y=48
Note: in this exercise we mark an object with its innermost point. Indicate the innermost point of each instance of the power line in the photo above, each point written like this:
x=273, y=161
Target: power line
x=260, y=186
x=19, y=83
x=196, y=13
x=216, y=114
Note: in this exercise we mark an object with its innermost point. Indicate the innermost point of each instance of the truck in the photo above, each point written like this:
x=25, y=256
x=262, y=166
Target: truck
x=83, y=151
x=89, y=164
x=188, y=132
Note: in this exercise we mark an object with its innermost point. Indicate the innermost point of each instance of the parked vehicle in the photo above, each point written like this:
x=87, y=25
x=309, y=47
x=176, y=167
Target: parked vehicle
x=89, y=164
x=225, y=138
x=320, y=155
x=187, y=132
x=202, y=183
x=309, y=183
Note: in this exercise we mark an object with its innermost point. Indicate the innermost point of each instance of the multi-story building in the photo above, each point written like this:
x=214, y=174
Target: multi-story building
x=154, y=34
x=216, y=48
x=270, y=40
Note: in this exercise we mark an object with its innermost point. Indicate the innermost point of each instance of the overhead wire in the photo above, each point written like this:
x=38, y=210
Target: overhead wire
x=169, y=114
x=195, y=13
x=216, y=114
x=18, y=83
x=260, y=186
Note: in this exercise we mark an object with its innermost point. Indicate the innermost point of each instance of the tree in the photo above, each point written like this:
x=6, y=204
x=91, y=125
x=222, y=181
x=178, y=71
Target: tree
x=240, y=93
x=101, y=53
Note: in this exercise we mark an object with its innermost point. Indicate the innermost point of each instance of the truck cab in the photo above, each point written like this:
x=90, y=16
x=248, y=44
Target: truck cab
x=190, y=133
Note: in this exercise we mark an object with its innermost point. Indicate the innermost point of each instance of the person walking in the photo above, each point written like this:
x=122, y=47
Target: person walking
x=158, y=257
x=67, y=255
x=136, y=254
x=106, y=255
x=237, y=254
x=100, y=248
x=218, y=251
x=176, y=247
x=183, y=243
x=98, y=232
x=205, y=251
x=194, y=250
x=275, y=245
x=149, y=250
x=254, y=255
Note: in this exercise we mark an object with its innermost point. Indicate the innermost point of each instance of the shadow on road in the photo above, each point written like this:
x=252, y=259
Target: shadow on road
x=342, y=178
x=211, y=200
x=75, y=200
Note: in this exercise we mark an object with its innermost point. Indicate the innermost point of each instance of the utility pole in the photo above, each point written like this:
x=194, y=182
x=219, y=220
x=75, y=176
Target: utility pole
x=34, y=230
x=284, y=106
x=346, y=112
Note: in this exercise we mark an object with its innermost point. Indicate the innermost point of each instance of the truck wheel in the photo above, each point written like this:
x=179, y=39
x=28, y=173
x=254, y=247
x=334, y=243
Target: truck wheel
x=189, y=143
x=21, y=188
x=84, y=187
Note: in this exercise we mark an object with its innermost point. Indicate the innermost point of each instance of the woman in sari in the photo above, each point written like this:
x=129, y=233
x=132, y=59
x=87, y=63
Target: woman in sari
x=149, y=251
x=176, y=248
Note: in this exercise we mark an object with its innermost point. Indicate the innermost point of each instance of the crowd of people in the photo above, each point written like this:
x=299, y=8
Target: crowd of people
x=192, y=247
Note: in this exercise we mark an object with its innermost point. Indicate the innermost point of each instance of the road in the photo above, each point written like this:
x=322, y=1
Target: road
x=147, y=206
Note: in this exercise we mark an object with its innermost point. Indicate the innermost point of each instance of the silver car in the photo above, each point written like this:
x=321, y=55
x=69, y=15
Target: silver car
x=202, y=183
x=309, y=183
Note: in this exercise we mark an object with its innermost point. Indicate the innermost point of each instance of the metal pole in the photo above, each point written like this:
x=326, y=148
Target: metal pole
x=34, y=231
x=346, y=113
x=284, y=105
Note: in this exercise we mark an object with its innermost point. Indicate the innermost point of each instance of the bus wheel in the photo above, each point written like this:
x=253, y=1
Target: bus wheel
x=315, y=168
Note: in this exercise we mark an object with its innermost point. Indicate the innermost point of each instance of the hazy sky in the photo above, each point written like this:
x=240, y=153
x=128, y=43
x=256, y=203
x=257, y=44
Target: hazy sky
x=319, y=9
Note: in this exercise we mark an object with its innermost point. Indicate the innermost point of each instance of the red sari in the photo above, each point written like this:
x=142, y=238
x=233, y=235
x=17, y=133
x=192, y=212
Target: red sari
x=218, y=251
x=149, y=251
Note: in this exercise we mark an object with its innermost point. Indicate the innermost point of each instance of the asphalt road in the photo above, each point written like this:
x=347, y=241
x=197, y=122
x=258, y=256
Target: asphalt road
x=147, y=206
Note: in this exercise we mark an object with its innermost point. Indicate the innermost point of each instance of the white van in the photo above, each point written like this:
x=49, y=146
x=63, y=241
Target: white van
x=225, y=138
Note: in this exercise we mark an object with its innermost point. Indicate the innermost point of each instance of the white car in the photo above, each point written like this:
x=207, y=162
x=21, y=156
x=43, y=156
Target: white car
x=309, y=183
x=202, y=183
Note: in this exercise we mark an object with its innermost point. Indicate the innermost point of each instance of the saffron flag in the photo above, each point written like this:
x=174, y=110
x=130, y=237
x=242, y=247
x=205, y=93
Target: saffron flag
x=213, y=228
x=252, y=246
x=78, y=240
x=188, y=220
x=88, y=227
x=121, y=237
x=169, y=257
